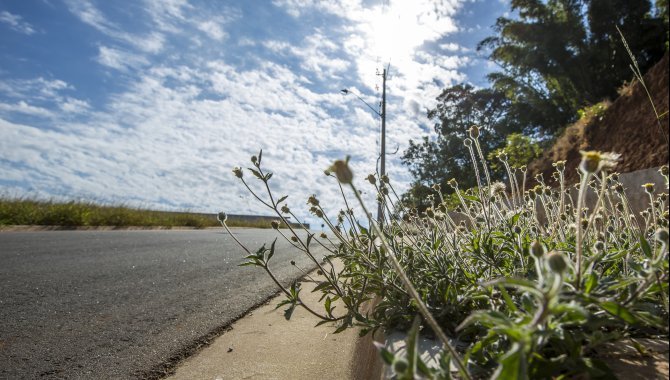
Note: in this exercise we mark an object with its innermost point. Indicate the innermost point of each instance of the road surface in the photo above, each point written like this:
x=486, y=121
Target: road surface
x=124, y=304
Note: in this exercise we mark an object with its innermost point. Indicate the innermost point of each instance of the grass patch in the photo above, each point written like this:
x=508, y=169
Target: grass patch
x=88, y=214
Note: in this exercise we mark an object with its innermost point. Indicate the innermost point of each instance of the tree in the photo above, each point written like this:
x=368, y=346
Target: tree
x=436, y=160
x=561, y=55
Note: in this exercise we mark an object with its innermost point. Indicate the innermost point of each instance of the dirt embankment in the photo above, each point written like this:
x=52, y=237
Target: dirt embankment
x=628, y=127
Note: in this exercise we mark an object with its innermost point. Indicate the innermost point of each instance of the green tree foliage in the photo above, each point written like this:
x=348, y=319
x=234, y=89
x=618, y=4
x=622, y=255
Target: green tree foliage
x=557, y=56
x=519, y=149
x=436, y=160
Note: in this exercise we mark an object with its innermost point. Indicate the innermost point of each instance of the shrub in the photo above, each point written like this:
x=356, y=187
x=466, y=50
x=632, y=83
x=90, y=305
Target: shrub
x=527, y=286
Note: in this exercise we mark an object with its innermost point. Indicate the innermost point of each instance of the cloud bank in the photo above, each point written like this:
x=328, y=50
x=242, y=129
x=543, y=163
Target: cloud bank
x=171, y=95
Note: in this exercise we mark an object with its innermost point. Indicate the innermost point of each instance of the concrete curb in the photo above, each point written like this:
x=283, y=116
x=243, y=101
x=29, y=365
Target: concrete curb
x=264, y=345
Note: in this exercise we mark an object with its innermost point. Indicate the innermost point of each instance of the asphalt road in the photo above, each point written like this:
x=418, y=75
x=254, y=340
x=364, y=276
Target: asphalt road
x=123, y=304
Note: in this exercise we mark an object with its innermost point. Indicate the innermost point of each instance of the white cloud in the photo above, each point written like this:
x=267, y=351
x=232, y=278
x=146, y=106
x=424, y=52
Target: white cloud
x=169, y=137
x=212, y=29
x=119, y=59
x=24, y=108
x=72, y=105
x=88, y=13
x=16, y=23
x=38, y=88
x=319, y=55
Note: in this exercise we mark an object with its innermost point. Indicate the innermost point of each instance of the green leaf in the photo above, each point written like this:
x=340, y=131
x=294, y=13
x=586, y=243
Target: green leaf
x=573, y=313
x=387, y=356
x=309, y=239
x=322, y=285
x=618, y=310
x=518, y=283
x=471, y=198
x=272, y=251
x=260, y=157
x=591, y=282
x=282, y=199
x=412, y=348
x=362, y=229
x=268, y=176
x=289, y=312
x=646, y=249
x=513, y=365
x=508, y=300
x=250, y=263
x=295, y=290
x=327, y=305
x=345, y=323
x=283, y=302
x=256, y=173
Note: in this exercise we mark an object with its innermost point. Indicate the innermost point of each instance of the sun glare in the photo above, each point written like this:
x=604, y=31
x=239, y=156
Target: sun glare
x=400, y=27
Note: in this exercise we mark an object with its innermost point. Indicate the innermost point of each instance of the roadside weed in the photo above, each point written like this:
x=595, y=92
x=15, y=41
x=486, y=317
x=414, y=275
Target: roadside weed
x=516, y=282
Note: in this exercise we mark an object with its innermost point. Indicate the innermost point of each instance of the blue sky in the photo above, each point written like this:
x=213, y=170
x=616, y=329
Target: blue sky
x=151, y=103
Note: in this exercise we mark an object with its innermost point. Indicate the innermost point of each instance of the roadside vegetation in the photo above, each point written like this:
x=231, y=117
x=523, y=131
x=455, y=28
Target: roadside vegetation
x=557, y=61
x=524, y=281
x=516, y=276
x=33, y=212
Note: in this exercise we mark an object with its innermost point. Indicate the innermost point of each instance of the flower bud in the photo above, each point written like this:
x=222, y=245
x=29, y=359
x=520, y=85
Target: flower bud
x=537, y=249
x=371, y=179
x=285, y=209
x=664, y=170
x=599, y=246
x=502, y=156
x=474, y=132
x=323, y=235
x=467, y=142
x=556, y=262
x=648, y=188
x=294, y=239
x=312, y=200
x=237, y=171
x=222, y=217
x=559, y=165
x=342, y=171
x=661, y=236
x=254, y=160
x=274, y=224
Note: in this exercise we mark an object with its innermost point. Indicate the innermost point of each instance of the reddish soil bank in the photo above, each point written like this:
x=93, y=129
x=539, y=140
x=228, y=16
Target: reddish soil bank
x=628, y=127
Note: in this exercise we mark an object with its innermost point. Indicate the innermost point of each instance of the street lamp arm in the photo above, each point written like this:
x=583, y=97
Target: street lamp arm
x=346, y=92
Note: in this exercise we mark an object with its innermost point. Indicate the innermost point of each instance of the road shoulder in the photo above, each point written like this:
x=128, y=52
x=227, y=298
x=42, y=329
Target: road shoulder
x=264, y=345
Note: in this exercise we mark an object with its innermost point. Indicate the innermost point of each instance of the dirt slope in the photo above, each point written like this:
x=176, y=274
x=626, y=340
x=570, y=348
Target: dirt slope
x=628, y=127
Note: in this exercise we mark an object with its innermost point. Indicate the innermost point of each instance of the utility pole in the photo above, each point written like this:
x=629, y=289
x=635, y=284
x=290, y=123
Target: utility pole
x=382, y=154
x=382, y=164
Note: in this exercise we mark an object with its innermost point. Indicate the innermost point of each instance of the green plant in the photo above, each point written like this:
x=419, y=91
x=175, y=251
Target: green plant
x=528, y=285
x=595, y=111
x=17, y=211
x=519, y=150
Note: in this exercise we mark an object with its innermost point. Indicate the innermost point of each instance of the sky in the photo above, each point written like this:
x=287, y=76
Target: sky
x=151, y=103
